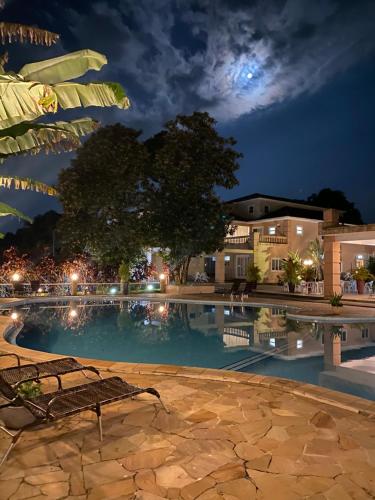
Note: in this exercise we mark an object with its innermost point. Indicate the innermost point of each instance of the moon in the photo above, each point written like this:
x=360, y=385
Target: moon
x=249, y=75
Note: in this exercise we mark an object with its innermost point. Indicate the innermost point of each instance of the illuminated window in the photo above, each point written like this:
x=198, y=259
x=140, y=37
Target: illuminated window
x=299, y=230
x=276, y=264
x=227, y=258
x=273, y=342
x=272, y=230
x=299, y=344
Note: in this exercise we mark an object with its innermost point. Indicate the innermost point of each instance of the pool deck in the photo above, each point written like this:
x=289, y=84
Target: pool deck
x=228, y=435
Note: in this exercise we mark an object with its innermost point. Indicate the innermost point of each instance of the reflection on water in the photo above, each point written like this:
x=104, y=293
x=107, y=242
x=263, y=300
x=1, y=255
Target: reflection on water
x=261, y=340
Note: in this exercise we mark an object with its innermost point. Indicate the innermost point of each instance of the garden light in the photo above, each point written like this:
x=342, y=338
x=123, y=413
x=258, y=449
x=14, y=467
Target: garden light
x=150, y=287
x=307, y=262
x=161, y=309
x=74, y=277
x=14, y=316
x=16, y=277
x=40, y=290
x=73, y=313
x=162, y=276
x=113, y=290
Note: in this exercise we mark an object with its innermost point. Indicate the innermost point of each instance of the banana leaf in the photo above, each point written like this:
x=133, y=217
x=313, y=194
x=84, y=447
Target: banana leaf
x=11, y=32
x=25, y=101
x=6, y=210
x=48, y=137
x=63, y=68
x=26, y=184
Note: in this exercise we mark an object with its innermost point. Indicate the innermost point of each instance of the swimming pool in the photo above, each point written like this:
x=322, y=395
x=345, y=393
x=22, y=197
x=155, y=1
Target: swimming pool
x=254, y=339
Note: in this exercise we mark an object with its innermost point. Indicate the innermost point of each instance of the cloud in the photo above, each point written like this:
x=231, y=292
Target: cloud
x=177, y=56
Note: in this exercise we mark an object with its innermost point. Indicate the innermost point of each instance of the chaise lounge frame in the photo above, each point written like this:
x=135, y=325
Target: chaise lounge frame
x=50, y=407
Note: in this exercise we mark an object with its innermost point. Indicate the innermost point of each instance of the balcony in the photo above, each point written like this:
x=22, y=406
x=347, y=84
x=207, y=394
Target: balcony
x=238, y=242
x=273, y=239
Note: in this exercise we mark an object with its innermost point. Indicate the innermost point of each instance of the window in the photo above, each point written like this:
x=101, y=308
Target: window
x=364, y=333
x=251, y=210
x=266, y=209
x=273, y=342
x=343, y=335
x=276, y=264
x=299, y=344
x=227, y=258
x=299, y=230
x=241, y=264
x=276, y=311
x=272, y=230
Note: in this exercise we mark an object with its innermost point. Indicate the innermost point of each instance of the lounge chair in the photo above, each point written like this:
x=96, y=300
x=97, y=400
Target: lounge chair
x=249, y=288
x=53, y=406
x=60, y=366
x=236, y=289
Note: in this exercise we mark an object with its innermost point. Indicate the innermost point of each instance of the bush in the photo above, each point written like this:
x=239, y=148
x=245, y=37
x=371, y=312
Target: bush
x=336, y=300
x=253, y=273
x=362, y=274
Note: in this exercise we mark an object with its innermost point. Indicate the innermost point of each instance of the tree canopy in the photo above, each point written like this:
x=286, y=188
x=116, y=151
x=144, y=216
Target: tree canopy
x=121, y=195
x=102, y=196
x=188, y=161
x=330, y=198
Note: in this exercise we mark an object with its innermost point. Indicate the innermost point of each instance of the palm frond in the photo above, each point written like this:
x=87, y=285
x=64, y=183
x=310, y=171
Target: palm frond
x=14, y=32
x=47, y=137
x=6, y=210
x=63, y=68
x=26, y=101
x=26, y=184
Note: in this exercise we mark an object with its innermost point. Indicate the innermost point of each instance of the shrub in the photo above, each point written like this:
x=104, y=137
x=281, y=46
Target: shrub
x=336, y=300
x=253, y=273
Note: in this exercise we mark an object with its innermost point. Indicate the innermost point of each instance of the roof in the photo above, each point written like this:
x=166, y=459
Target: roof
x=299, y=213
x=268, y=197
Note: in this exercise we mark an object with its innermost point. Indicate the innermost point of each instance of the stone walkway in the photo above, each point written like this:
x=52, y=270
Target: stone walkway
x=221, y=440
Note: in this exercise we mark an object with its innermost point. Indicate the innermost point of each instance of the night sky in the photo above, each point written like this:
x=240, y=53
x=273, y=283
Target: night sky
x=304, y=120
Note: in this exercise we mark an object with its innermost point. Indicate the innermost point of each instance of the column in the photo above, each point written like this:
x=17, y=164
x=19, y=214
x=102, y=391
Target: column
x=332, y=259
x=332, y=349
x=219, y=267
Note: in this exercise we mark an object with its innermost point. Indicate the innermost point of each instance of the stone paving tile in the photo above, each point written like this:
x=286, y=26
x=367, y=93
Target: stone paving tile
x=221, y=440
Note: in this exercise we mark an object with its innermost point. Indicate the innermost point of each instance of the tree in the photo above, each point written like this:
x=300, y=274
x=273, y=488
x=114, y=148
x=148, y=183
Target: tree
x=316, y=253
x=102, y=196
x=40, y=88
x=36, y=237
x=329, y=198
x=188, y=161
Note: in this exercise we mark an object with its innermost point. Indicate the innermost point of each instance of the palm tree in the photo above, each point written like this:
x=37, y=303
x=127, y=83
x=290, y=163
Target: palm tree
x=316, y=253
x=39, y=89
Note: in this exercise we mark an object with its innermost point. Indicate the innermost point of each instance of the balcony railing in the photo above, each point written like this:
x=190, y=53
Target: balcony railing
x=243, y=242
x=273, y=239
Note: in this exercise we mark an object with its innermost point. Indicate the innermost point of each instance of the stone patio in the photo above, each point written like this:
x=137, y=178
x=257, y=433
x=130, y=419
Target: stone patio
x=222, y=439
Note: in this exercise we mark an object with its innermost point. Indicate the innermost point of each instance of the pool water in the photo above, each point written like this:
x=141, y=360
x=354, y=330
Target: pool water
x=253, y=339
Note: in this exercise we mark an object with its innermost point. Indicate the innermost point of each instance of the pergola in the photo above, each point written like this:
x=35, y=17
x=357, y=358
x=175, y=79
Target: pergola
x=334, y=235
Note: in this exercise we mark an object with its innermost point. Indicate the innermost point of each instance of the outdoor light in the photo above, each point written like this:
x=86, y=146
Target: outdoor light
x=113, y=290
x=40, y=290
x=162, y=276
x=73, y=313
x=74, y=277
x=161, y=309
x=307, y=262
x=14, y=316
x=359, y=257
x=150, y=287
x=16, y=277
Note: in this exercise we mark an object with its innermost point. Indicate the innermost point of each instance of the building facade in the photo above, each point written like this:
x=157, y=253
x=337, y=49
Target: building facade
x=264, y=230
